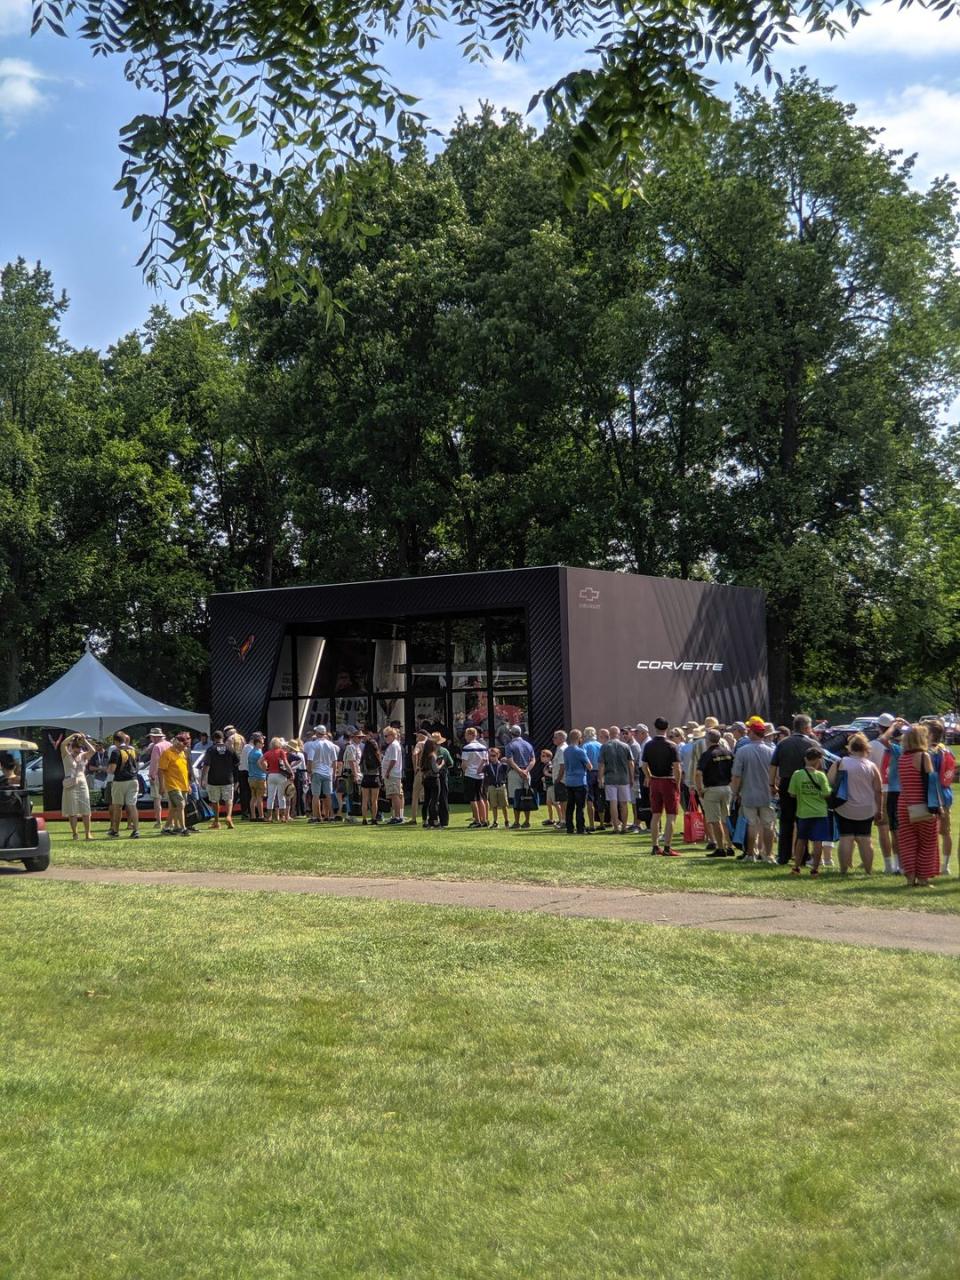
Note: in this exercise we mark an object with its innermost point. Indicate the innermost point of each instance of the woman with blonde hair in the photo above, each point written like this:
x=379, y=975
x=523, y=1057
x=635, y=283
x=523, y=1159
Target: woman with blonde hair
x=278, y=771
x=863, y=805
x=918, y=824
x=945, y=767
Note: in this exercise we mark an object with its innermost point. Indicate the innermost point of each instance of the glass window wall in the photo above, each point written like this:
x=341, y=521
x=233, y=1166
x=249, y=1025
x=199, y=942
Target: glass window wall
x=436, y=673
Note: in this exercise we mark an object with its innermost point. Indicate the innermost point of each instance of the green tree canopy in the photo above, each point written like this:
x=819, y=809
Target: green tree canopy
x=742, y=377
x=305, y=80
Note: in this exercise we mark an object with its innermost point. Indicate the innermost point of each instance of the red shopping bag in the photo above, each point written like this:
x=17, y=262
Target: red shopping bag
x=694, y=829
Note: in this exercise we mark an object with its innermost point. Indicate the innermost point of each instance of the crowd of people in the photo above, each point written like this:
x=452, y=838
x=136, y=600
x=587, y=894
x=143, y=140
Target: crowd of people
x=749, y=790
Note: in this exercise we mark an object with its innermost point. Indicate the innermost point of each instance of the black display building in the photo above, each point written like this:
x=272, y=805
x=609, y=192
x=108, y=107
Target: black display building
x=546, y=648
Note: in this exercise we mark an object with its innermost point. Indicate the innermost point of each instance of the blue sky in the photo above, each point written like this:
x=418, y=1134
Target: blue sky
x=60, y=110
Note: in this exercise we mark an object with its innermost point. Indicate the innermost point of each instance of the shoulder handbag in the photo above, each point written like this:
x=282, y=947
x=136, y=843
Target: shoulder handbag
x=841, y=790
x=694, y=825
x=924, y=812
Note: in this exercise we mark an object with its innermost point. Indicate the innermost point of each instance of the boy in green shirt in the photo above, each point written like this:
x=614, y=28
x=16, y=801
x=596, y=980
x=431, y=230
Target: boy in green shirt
x=810, y=786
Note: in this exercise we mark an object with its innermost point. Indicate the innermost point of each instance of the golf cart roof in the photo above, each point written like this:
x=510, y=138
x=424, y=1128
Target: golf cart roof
x=17, y=744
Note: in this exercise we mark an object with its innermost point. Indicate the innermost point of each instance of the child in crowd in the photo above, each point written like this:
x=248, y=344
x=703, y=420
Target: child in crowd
x=541, y=779
x=810, y=786
x=495, y=775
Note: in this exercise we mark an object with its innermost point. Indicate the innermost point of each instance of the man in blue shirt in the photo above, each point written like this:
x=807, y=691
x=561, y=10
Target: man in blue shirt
x=592, y=746
x=258, y=778
x=574, y=770
x=521, y=759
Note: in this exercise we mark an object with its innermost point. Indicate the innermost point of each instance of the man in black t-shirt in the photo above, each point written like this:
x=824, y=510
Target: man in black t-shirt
x=218, y=768
x=124, y=786
x=712, y=782
x=661, y=764
x=788, y=757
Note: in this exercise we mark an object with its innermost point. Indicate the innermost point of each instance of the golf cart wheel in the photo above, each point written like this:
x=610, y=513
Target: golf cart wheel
x=37, y=864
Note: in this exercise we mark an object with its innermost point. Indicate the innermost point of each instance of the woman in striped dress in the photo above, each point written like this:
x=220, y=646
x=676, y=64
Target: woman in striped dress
x=918, y=840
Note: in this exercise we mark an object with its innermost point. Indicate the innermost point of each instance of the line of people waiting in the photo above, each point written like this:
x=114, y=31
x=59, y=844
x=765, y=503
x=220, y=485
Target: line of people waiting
x=767, y=795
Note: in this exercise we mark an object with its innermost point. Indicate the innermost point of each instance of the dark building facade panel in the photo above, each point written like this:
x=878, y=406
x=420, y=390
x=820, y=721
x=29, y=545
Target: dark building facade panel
x=641, y=647
x=242, y=676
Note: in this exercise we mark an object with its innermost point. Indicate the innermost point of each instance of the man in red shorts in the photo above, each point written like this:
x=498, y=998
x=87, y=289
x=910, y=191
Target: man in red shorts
x=661, y=764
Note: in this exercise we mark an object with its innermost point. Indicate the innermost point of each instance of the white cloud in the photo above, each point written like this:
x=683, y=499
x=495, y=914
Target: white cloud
x=20, y=92
x=507, y=85
x=15, y=17
x=907, y=33
x=920, y=118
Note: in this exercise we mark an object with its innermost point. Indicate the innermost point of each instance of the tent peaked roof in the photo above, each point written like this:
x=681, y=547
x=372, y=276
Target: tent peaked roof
x=90, y=699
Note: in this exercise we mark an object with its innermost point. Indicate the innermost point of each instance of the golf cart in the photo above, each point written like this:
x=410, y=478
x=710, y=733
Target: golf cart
x=23, y=838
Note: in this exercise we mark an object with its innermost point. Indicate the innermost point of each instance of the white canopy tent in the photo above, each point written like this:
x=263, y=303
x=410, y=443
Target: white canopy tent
x=91, y=699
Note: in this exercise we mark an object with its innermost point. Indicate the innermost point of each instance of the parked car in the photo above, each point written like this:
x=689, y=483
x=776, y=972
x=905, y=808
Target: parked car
x=33, y=776
x=950, y=722
x=834, y=740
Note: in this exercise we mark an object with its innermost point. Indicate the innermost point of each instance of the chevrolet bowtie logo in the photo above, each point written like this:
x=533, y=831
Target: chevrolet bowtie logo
x=589, y=593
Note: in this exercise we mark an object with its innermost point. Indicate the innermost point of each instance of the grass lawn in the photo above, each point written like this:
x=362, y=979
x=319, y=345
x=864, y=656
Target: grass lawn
x=536, y=855
x=203, y=1084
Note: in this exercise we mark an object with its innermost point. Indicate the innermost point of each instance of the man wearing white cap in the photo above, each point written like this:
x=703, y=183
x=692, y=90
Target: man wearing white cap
x=158, y=745
x=325, y=757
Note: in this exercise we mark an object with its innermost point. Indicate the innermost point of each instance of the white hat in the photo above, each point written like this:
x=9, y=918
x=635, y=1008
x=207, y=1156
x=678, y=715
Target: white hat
x=886, y=720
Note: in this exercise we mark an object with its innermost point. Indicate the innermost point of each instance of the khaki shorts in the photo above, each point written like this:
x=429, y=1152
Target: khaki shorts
x=716, y=804
x=258, y=788
x=221, y=794
x=124, y=794
x=178, y=799
x=497, y=797
x=760, y=816
x=393, y=786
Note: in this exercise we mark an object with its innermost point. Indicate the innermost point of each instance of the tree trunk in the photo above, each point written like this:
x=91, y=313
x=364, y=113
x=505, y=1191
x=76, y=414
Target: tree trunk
x=780, y=667
x=269, y=549
x=13, y=669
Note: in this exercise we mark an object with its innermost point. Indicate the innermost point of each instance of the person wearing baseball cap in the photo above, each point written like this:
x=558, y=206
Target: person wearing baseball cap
x=158, y=745
x=750, y=781
x=789, y=756
x=698, y=744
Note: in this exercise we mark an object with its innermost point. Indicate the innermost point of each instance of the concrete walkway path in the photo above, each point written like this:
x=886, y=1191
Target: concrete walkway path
x=860, y=926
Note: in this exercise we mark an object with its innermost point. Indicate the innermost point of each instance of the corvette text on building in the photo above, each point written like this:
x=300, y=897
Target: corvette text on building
x=652, y=664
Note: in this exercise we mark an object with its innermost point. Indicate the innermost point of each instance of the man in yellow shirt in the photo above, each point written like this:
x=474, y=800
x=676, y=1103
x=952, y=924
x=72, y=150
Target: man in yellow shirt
x=174, y=769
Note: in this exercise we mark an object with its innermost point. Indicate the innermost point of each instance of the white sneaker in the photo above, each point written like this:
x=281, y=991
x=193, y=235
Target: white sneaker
x=945, y=870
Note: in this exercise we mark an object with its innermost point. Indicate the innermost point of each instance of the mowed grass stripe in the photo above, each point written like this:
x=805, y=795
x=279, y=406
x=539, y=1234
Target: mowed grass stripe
x=539, y=856
x=224, y=1085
